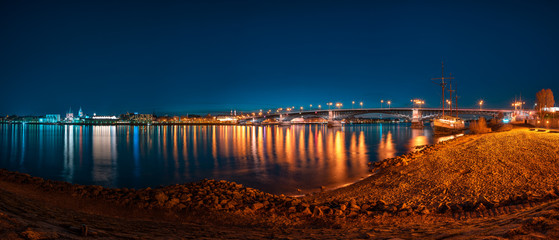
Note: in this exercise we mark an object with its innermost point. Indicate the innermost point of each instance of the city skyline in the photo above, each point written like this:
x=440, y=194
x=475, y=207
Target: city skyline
x=206, y=57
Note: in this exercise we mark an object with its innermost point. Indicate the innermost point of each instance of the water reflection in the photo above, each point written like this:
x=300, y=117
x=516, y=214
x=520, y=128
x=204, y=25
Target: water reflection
x=104, y=153
x=271, y=158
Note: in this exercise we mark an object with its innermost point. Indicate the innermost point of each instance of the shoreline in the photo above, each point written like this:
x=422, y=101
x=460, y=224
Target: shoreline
x=201, y=124
x=386, y=196
x=106, y=193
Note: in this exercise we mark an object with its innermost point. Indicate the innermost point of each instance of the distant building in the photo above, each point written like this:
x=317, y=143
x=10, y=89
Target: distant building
x=226, y=119
x=101, y=120
x=136, y=118
x=80, y=113
x=69, y=116
x=50, y=118
x=104, y=117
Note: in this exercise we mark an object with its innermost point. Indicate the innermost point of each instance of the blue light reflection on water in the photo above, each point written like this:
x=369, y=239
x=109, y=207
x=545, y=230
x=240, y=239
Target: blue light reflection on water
x=272, y=158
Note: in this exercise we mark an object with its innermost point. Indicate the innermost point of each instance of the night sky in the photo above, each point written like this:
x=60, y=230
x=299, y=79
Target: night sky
x=182, y=57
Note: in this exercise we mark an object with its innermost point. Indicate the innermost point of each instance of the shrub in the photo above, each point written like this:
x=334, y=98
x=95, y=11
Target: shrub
x=479, y=126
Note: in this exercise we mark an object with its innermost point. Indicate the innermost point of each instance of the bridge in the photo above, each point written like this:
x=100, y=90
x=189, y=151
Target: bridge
x=421, y=114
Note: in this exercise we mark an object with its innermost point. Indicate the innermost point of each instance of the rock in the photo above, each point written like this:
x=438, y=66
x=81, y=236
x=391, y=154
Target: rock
x=481, y=208
x=36, y=235
x=292, y=209
x=257, y=206
x=161, y=197
x=171, y=203
x=365, y=207
x=381, y=204
x=338, y=212
x=307, y=211
x=317, y=212
x=354, y=207
x=442, y=208
x=404, y=207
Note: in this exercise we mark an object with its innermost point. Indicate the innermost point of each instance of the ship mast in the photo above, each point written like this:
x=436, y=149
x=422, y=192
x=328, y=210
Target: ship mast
x=442, y=84
x=450, y=91
x=456, y=102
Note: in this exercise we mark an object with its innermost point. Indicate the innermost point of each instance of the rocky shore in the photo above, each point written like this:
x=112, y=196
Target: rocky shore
x=460, y=181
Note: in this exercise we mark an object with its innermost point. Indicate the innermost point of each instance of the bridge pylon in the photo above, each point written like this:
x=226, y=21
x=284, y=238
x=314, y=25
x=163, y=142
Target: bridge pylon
x=416, y=119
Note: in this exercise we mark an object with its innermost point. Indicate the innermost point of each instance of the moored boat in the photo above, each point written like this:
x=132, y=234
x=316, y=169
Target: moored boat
x=448, y=124
x=334, y=123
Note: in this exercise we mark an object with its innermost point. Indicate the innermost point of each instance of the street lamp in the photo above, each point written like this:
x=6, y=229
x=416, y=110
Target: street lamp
x=339, y=105
x=352, y=103
x=480, y=103
x=389, y=102
x=319, y=106
x=361, y=103
x=381, y=101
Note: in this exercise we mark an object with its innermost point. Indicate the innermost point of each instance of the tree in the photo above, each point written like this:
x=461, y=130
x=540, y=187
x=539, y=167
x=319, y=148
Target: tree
x=544, y=99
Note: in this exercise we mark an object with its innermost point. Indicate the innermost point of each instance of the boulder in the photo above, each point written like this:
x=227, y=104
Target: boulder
x=171, y=203
x=317, y=212
x=161, y=197
x=257, y=206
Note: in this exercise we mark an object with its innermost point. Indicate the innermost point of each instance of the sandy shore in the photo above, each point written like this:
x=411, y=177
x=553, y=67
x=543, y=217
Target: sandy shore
x=498, y=185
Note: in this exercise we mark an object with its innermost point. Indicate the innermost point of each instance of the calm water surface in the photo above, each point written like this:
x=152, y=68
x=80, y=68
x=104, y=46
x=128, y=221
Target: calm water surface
x=271, y=158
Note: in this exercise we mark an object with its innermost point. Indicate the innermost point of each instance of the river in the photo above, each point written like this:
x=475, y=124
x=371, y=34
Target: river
x=291, y=160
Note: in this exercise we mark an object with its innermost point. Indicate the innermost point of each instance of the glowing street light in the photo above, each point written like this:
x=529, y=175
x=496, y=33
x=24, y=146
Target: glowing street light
x=361, y=103
x=389, y=102
x=352, y=103
x=480, y=103
x=319, y=106
x=518, y=104
x=381, y=101
x=338, y=105
x=416, y=102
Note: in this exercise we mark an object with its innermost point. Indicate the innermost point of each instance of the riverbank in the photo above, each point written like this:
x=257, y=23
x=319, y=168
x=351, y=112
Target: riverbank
x=498, y=184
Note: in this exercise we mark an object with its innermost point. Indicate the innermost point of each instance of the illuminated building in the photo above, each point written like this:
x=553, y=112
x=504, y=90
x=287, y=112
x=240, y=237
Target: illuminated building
x=69, y=116
x=50, y=118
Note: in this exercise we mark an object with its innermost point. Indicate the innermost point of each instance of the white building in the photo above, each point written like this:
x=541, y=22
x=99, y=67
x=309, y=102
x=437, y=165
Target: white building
x=69, y=116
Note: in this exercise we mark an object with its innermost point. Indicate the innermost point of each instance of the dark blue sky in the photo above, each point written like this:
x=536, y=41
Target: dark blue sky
x=204, y=56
